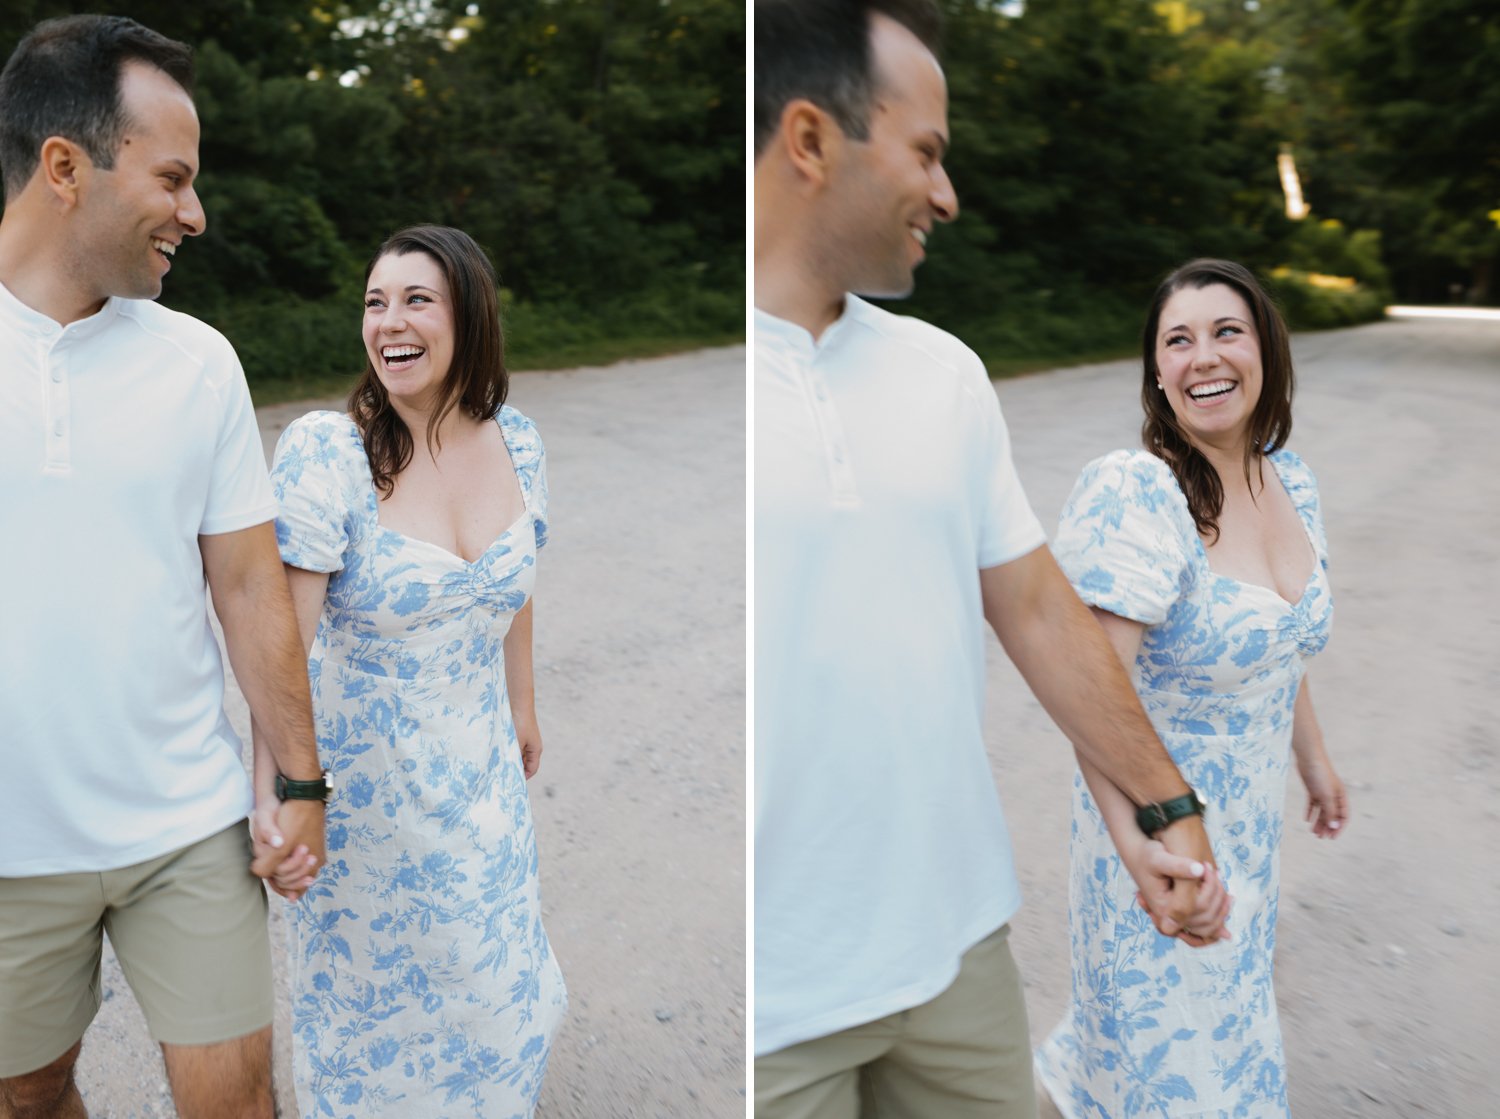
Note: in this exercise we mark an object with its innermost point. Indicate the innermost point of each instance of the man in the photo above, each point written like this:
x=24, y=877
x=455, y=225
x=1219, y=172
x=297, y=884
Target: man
x=889, y=521
x=130, y=470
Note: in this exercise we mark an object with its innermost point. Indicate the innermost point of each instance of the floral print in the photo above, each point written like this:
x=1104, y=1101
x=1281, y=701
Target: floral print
x=423, y=983
x=1155, y=1028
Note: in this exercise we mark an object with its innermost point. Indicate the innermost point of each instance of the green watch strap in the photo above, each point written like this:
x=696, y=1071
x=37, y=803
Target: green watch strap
x=1152, y=818
x=287, y=789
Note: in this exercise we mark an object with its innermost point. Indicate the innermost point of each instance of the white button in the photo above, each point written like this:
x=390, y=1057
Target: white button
x=822, y=395
x=838, y=455
x=57, y=429
x=56, y=375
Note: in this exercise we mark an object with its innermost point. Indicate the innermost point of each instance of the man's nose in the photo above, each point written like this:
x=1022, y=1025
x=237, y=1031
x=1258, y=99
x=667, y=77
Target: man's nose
x=943, y=199
x=190, y=213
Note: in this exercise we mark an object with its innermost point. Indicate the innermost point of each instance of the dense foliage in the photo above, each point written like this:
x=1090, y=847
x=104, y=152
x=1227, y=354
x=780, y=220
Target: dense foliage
x=1098, y=143
x=594, y=147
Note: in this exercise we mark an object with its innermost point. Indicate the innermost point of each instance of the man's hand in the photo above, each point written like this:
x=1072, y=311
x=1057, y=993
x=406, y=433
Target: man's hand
x=1160, y=875
x=1197, y=918
x=282, y=852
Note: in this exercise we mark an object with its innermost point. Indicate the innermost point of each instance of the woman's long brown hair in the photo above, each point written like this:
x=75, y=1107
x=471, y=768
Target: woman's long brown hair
x=476, y=380
x=1270, y=422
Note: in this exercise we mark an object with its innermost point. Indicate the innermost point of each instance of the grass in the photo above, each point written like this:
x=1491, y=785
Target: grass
x=604, y=351
x=1001, y=366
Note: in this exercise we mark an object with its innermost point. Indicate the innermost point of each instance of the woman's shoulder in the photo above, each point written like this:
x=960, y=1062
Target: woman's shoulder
x=323, y=428
x=1128, y=491
x=1296, y=477
x=520, y=432
x=1131, y=471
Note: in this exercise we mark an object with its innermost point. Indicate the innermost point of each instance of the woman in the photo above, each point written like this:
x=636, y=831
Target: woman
x=423, y=982
x=1204, y=558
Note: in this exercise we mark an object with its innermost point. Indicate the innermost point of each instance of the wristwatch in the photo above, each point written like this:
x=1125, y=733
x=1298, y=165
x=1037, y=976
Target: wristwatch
x=287, y=789
x=1152, y=818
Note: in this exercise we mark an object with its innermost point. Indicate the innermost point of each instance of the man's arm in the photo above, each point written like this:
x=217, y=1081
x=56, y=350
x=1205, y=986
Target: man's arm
x=287, y=870
x=1074, y=672
x=1206, y=924
x=254, y=606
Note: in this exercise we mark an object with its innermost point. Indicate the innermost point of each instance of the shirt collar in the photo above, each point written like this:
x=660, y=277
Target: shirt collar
x=28, y=319
x=769, y=328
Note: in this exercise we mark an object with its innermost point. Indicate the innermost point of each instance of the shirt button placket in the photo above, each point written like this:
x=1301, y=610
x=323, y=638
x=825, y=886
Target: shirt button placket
x=841, y=475
x=58, y=443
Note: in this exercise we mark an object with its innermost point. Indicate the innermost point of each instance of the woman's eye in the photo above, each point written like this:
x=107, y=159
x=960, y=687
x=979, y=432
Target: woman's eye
x=371, y=303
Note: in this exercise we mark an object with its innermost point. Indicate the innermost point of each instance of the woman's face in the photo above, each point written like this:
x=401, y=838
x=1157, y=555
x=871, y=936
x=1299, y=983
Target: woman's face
x=408, y=327
x=1208, y=364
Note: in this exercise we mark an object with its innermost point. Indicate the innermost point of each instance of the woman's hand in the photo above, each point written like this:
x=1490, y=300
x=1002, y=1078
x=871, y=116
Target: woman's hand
x=529, y=739
x=1327, y=802
x=288, y=873
x=1156, y=871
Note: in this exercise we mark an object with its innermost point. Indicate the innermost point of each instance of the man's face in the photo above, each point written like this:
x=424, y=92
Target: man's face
x=134, y=216
x=892, y=189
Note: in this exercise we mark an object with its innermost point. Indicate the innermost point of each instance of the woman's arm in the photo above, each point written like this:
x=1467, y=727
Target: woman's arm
x=521, y=685
x=292, y=874
x=1145, y=858
x=1327, y=802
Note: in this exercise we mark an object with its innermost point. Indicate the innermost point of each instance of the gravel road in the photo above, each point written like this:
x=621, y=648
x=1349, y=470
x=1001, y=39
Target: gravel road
x=1387, y=971
x=1387, y=974
x=640, y=655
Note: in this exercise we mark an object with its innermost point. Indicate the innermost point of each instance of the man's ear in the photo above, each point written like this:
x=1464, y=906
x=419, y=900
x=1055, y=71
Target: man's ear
x=811, y=139
x=63, y=167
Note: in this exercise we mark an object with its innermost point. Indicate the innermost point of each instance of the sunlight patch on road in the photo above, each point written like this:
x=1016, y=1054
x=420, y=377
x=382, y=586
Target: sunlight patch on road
x=1490, y=313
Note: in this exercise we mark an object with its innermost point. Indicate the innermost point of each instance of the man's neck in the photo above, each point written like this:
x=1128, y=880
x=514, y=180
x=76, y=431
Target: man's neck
x=788, y=292
x=37, y=274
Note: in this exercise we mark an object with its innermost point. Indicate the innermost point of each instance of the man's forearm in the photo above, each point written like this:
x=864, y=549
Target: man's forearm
x=1068, y=662
x=266, y=652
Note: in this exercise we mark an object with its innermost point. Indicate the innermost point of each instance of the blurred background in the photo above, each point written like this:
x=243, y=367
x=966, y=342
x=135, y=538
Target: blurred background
x=595, y=148
x=1348, y=150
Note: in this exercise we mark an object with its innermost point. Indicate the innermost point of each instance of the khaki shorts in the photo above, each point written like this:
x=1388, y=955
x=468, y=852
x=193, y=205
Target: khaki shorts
x=189, y=929
x=964, y=1055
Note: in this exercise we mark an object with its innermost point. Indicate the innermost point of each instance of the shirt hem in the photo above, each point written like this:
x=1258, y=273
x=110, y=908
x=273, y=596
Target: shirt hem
x=233, y=523
x=999, y=557
x=889, y=1002
x=140, y=853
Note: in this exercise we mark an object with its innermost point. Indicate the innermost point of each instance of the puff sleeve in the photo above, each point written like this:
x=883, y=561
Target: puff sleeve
x=529, y=458
x=1125, y=537
x=308, y=477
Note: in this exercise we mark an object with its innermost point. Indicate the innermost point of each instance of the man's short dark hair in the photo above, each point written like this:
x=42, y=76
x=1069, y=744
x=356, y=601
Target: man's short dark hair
x=64, y=80
x=820, y=50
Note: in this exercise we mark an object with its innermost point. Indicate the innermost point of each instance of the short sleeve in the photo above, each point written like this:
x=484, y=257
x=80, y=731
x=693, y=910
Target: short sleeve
x=1122, y=538
x=312, y=525
x=238, y=493
x=1008, y=526
x=529, y=458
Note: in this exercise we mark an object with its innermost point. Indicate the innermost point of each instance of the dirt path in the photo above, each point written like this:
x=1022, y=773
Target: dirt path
x=1388, y=976
x=640, y=644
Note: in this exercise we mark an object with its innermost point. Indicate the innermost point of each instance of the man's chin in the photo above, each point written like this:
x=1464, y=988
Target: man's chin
x=892, y=289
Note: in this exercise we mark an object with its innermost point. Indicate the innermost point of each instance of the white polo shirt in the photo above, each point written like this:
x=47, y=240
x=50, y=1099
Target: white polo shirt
x=122, y=437
x=883, y=483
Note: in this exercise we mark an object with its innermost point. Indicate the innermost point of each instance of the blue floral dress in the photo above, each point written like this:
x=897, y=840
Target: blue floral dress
x=423, y=984
x=1156, y=1028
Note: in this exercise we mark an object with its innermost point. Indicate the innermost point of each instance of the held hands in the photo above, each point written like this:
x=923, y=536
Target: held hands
x=1180, y=887
x=1161, y=875
x=287, y=844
